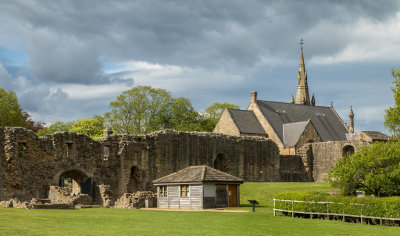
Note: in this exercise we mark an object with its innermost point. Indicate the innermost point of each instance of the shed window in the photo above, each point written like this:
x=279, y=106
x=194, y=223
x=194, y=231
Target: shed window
x=163, y=191
x=184, y=190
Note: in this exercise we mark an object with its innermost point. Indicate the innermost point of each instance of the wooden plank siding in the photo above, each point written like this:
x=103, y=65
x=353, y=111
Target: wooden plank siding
x=173, y=196
x=173, y=199
x=196, y=196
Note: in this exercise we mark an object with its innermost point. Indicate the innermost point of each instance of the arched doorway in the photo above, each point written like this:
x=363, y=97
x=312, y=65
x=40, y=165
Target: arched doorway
x=220, y=163
x=134, y=180
x=348, y=151
x=76, y=182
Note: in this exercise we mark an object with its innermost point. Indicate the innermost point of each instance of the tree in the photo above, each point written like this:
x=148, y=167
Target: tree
x=212, y=114
x=374, y=169
x=92, y=127
x=182, y=116
x=10, y=112
x=58, y=126
x=139, y=110
x=392, y=116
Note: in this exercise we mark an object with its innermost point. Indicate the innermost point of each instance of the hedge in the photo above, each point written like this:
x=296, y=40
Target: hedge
x=386, y=207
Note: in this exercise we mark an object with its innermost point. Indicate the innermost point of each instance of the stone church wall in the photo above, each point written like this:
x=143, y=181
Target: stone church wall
x=29, y=165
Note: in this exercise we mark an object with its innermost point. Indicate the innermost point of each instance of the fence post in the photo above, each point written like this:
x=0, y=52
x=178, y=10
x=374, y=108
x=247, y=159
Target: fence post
x=292, y=209
x=274, y=208
x=343, y=215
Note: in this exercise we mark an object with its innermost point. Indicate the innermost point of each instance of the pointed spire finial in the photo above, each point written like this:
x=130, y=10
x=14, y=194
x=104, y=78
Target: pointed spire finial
x=313, y=100
x=332, y=104
x=292, y=100
x=351, y=113
x=301, y=43
x=351, y=120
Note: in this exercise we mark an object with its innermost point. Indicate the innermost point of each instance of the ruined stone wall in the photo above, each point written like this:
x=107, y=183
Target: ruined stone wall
x=29, y=171
x=318, y=158
x=292, y=169
x=162, y=153
x=29, y=165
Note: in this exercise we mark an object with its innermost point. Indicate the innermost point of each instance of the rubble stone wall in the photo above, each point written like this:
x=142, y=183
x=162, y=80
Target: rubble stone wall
x=29, y=165
x=318, y=158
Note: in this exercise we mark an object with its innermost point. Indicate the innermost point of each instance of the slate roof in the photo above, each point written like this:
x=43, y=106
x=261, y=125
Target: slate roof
x=198, y=174
x=292, y=132
x=246, y=122
x=328, y=125
x=375, y=135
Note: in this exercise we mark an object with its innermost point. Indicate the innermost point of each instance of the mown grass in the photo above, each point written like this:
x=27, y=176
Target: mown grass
x=102, y=221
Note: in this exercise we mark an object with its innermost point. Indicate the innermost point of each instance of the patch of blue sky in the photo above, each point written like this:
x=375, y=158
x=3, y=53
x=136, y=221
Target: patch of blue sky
x=110, y=65
x=9, y=57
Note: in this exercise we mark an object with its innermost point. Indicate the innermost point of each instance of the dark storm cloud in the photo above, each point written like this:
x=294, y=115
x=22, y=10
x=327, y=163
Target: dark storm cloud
x=67, y=38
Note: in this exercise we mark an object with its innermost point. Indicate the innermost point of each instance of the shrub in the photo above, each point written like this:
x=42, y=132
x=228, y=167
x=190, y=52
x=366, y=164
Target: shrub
x=388, y=207
x=374, y=169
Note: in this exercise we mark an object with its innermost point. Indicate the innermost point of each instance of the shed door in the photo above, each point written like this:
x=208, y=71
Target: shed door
x=233, y=195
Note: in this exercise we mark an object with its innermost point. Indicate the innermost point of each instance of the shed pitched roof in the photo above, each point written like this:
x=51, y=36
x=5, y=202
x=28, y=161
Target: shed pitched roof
x=196, y=174
x=246, y=122
x=325, y=120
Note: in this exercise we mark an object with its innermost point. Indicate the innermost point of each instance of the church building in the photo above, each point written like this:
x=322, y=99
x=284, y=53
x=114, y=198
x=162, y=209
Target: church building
x=289, y=125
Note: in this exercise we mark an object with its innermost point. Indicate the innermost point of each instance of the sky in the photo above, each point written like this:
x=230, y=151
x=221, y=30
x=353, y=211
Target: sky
x=67, y=60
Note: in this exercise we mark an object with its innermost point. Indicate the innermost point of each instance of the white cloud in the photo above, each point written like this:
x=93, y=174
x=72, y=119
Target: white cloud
x=175, y=78
x=366, y=40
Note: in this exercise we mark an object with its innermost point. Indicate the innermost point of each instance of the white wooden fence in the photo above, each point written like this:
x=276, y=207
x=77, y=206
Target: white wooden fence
x=328, y=214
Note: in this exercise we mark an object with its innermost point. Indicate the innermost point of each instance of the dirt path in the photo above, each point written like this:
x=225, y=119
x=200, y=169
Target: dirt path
x=177, y=209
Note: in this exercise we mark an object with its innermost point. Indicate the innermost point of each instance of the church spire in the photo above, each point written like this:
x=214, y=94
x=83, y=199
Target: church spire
x=292, y=100
x=302, y=96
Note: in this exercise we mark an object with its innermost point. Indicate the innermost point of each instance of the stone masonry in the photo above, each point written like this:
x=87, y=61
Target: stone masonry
x=120, y=164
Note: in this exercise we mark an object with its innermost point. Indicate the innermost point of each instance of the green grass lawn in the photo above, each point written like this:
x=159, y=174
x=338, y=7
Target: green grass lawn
x=102, y=221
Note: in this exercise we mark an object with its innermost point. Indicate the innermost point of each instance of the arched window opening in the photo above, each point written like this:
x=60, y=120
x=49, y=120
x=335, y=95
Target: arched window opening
x=220, y=163
x=348, y=151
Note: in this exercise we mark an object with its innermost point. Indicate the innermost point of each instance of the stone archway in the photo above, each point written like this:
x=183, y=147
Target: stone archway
x=76, y=182
x=348, y=151
x=221, y=163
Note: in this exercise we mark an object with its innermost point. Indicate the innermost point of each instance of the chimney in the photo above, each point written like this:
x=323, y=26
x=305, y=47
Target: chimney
x=253, y=97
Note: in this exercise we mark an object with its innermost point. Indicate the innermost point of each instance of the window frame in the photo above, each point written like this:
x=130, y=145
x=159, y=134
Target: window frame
x=184, y=190
x=163, y=191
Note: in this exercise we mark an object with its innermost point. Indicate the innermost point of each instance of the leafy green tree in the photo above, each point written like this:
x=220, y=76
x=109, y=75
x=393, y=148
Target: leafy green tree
x=139, y=110
x=182, y=116
x=374, y=169
x=10, y=112
x=211, y=114
x=215, y=110
x=58, y=126
x=392, y=116
x=92, y=127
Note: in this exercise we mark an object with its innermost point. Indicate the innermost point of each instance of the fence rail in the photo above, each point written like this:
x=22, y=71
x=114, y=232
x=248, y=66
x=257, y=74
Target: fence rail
x=343, y=216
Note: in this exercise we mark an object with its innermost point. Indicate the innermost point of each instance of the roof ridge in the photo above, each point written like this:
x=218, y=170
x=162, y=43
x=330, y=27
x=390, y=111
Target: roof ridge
x=292, y=103
x=203, y=174
x=231, y=109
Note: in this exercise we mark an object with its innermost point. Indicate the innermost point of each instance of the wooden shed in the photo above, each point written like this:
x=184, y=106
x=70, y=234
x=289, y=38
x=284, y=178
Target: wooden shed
x=198, y=187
